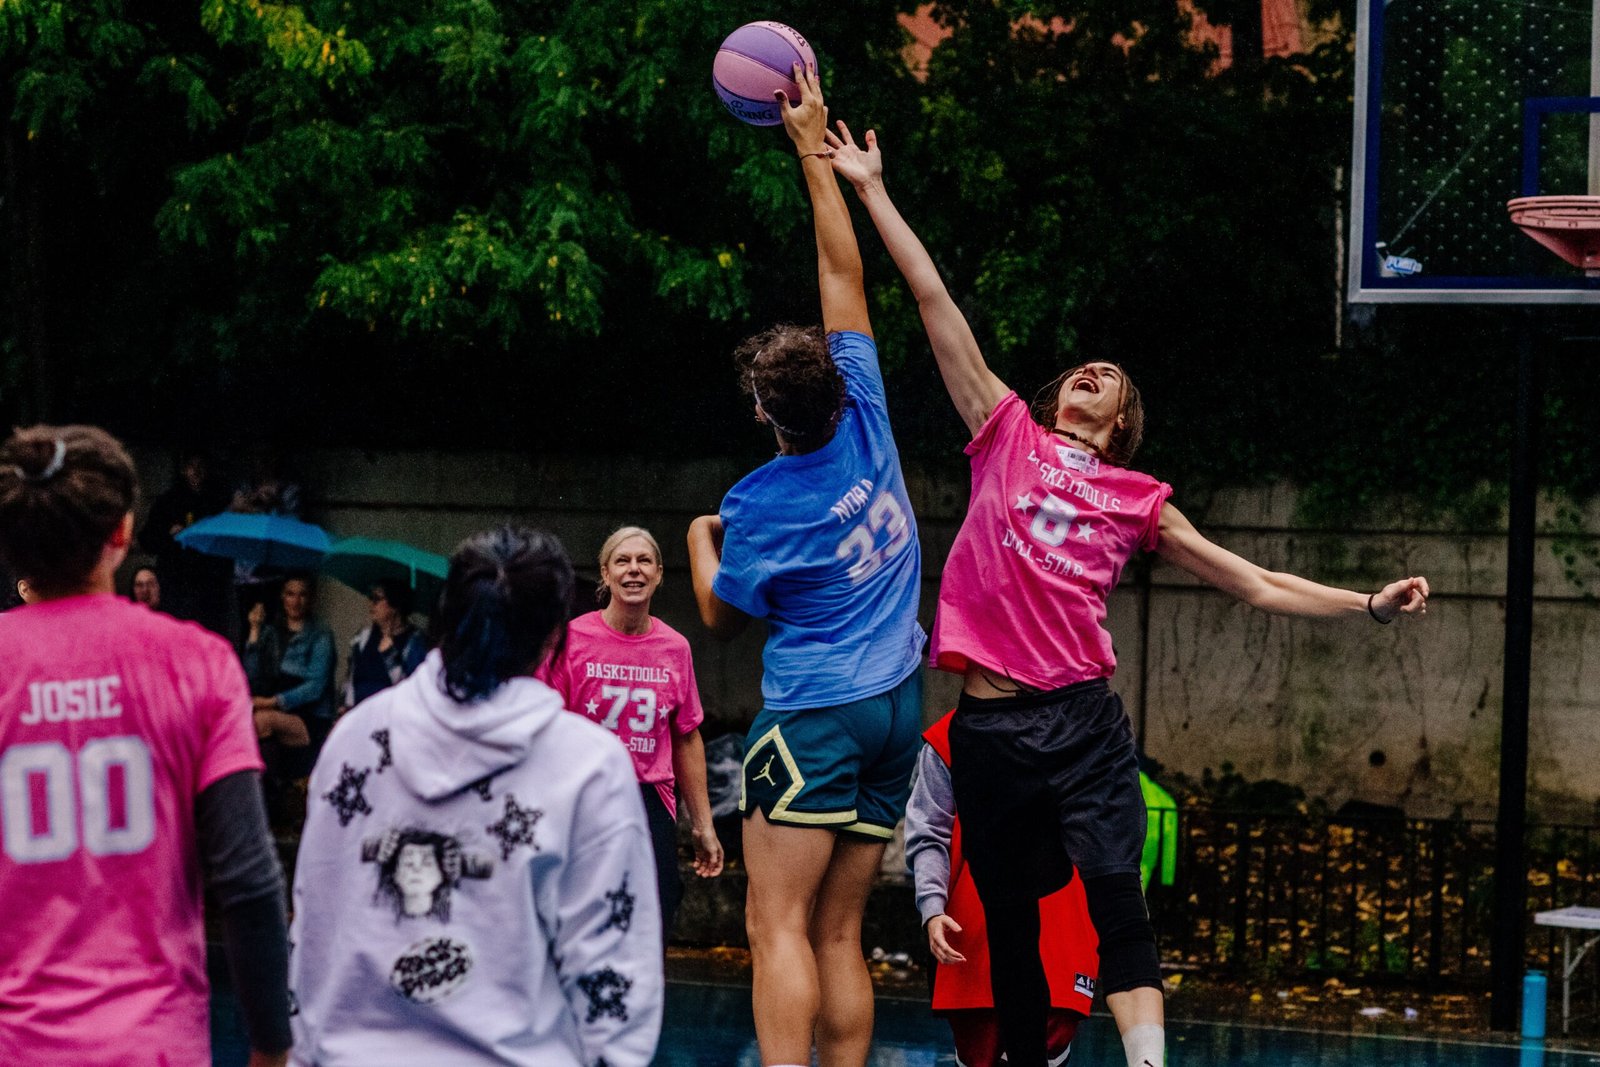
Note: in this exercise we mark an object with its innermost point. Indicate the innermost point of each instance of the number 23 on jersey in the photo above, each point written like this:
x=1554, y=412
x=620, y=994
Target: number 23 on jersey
x=860, y=546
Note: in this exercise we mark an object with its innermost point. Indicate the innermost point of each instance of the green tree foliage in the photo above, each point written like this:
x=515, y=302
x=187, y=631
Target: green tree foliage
x=475, y=222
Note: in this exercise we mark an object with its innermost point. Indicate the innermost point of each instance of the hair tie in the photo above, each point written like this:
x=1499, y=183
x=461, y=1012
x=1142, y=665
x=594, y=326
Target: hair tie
x=51, y=469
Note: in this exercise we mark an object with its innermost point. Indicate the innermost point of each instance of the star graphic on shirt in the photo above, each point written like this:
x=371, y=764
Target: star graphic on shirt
x=1024, y=502
x=515, y=827
x=592, y=708
x=384, y=757
x=1085, y=531
x=621, y=902
x=605, y=990
x=346, y=797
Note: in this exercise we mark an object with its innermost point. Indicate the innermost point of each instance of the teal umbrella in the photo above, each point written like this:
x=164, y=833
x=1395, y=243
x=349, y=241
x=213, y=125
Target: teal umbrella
x=363, y=562
x=261, y=540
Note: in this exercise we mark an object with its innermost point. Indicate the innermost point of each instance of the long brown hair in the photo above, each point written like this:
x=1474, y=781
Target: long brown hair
x=1125, y=439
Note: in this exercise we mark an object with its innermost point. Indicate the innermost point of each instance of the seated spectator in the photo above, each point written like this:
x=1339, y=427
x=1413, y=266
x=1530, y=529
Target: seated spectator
x=146, y=588
x=290, y=666
x=260, y=650
x=195, y=584
x=387, y=649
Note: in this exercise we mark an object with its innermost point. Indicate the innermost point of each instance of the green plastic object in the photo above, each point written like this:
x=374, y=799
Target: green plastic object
x=1160, y=858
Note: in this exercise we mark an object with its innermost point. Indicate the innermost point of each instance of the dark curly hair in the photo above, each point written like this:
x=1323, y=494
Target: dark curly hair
x=508, y=590
x=64, y=490
x=788, y=371
x=1125, y=439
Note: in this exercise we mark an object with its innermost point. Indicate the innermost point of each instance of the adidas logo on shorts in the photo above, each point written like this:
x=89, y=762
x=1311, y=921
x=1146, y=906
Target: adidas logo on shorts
x=1084, y=986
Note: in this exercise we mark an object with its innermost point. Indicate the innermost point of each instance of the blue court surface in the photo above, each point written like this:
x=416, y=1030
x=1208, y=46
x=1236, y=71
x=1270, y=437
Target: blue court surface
x=710, y=1026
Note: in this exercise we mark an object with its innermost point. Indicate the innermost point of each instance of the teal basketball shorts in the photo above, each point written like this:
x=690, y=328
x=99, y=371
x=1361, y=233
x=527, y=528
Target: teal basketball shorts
x=845, y=768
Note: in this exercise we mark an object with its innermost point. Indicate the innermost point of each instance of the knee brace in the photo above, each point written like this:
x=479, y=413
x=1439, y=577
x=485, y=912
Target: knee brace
x=1127, y=940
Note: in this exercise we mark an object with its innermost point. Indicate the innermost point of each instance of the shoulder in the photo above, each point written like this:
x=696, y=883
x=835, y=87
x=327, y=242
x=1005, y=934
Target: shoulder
x=319, y=631
x=751, y=499
x=669, y=636
x=358, y=724
x=1144, y=484
x=748, y=491
x=847, y=343
x=1009, y=419
x=181, y=638
x=590, y=622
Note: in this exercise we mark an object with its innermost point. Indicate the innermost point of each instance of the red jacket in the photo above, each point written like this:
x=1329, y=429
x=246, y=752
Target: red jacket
x=1068, y=944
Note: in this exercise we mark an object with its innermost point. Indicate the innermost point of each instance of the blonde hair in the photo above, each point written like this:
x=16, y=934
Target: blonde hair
x=602, y=595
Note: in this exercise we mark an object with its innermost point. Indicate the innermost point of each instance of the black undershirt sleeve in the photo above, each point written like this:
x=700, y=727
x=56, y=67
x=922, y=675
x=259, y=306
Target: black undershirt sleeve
x=246, y=879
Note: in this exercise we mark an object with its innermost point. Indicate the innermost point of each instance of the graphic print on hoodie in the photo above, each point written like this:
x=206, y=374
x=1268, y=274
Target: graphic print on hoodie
x=475, y=884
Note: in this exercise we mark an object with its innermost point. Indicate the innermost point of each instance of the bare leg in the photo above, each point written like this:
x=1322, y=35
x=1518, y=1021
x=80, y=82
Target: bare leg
x=844, y=1024
x=1138, y=1007
x=786, y=865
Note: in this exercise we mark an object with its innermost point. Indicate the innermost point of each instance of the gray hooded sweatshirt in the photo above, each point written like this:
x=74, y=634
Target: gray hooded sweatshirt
x=475, y=885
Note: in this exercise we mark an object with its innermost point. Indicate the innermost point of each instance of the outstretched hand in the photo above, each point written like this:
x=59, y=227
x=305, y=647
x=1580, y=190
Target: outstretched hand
x=1408, y=596
x=854, y=164
x=807, y=121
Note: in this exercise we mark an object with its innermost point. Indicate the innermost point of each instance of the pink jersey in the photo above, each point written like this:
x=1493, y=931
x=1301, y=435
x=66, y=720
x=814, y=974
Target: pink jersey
x=1044, y=541
x=640, y=688
x=112, y=720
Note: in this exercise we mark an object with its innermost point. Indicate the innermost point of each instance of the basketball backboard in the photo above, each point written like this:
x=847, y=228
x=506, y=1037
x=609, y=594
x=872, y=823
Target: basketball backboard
x=1460, y=106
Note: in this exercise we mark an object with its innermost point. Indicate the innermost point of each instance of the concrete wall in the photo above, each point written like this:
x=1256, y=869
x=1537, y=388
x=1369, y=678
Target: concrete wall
x=1208, y=680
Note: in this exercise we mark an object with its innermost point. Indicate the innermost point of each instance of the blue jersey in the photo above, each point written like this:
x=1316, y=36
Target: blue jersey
x=824, y=547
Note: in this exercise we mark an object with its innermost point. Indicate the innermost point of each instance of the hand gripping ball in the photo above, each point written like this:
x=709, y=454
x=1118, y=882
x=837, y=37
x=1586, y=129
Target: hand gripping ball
x=756, y=60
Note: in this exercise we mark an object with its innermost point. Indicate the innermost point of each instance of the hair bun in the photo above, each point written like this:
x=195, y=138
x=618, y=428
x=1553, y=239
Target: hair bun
x=51, y=456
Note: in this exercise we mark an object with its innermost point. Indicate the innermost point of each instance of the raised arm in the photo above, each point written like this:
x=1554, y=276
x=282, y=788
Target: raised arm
x=839, y=275
x=1276, y=592
x=973, y=387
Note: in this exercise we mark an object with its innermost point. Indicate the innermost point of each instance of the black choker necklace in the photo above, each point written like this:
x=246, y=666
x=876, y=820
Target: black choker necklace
x=1084, y=441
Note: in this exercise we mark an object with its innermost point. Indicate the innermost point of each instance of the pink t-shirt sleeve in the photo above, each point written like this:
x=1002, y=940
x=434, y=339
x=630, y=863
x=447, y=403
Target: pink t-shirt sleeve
x=228, y=719
x=1001, y=420
x=553, y=672
x=690, y=714
x=1152, y=528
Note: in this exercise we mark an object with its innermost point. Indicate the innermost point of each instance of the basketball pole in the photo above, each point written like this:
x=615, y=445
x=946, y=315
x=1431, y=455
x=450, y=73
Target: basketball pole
x=1508, y=945
x=1594, y=91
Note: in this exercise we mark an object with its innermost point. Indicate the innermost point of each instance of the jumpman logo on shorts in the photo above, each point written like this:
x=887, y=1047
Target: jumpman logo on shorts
x=766, y=772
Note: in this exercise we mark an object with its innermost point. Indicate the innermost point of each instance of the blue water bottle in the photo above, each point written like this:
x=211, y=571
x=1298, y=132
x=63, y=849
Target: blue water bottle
x=1534, y=987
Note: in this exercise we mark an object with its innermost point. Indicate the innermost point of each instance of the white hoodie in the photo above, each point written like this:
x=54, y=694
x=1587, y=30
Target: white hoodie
x=475, y=885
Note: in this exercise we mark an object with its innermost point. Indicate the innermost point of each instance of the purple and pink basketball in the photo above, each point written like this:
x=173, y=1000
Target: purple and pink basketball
x=756, y=60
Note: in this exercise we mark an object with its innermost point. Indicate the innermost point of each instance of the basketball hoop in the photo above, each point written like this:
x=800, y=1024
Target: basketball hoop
x=1567, y=225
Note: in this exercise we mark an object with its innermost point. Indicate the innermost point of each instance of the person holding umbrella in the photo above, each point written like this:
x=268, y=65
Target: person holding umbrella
x=387, y=649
